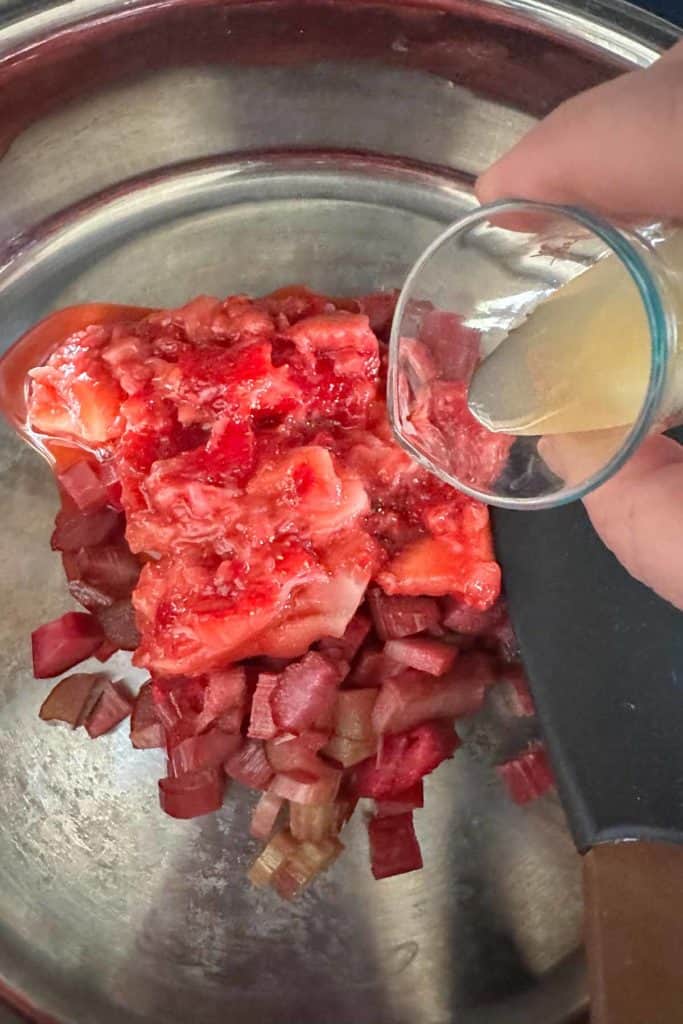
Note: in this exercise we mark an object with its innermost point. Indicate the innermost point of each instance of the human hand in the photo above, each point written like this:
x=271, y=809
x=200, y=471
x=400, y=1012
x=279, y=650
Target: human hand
x=618, y=149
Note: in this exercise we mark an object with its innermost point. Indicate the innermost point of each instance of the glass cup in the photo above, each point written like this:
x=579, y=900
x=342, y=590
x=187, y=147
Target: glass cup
x=602, y=366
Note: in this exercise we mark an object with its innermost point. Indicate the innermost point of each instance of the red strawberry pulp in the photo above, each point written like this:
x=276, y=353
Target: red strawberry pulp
x=259, y=479
x=228, y=468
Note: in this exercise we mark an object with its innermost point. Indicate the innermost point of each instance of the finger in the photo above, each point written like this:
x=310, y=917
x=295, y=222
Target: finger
x=617, y=148
x=639, y=511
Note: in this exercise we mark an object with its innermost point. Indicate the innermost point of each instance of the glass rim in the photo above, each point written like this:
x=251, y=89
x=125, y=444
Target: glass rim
x=623, y=244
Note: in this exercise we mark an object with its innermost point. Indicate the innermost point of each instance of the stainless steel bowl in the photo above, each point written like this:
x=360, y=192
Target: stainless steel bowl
x=149, y=151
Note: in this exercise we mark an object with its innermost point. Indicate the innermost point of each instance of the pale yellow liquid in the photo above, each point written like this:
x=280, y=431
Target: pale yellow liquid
x=581, y=360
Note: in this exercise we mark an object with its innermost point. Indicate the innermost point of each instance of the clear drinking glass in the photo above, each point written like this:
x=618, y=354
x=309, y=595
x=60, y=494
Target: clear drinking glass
x=602, y=367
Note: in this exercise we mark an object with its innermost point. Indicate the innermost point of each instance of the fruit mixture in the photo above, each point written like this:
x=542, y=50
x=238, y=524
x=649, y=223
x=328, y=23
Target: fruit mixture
x=314, y=609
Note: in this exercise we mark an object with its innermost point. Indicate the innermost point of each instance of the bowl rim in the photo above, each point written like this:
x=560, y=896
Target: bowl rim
x=630, y=34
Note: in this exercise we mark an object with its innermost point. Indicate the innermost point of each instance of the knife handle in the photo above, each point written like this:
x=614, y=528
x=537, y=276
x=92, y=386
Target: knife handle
x=634, y=932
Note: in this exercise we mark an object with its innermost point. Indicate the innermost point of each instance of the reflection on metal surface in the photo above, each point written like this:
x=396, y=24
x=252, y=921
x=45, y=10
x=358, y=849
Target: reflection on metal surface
x=122, y=179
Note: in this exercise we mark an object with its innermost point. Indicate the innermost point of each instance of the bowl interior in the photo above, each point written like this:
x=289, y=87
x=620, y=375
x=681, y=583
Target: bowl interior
x=145, y=156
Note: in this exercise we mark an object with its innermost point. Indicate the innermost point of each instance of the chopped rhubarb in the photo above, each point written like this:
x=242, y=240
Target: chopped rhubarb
x=528, y=776
x=170, y=701
x=105, y=650
x=311, y=822
x=289, y=865
x=411, y=697
x=83, y=485
x=379, y=309
x=372, y=668
x=249, y=765
x=348, y=752
x=272, y=858
x=294, y=754
x=409, y=800
x=394, y=849
x=347, y=646
x=314, y=739
x=265, y=815
x=109, y=477
x=146, y=730
x=463, y=618
x=515, y=692
x=306, y=689
x=113, y=704
x=119, y=626
x=208, y=750
x=405, y=759
x=111, y=568
x=396, y=617
x=72, y=699
x=352, y=717
x=475, y=454
x=305, y=864
x=453, y=347
x=74, y=530
x=231, y=721
x=427, y=655
x=64, y=642
x=193, y=794
x=90, y=597
x=302, y=788
x=504, y=640
x=261, y=724
x=225, y=694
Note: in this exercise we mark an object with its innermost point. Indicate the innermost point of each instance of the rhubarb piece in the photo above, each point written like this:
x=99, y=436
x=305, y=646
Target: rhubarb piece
x=394, y=849
x=528, y=776
x=208, y=750
x=426, y=655
x=83, y=485
x=261, y=724
x=311, y=822
x=119, y=626
x=64, y=642
x=412, y=697
x=348, y=752
x=75, y=530
x=405, y=759
x=295, y=754
x=463, y=618
x=193, y=794
x=113, y=704
x=352, y=716
x=396, y=617
x=409, y=800
x=146, y=730
x=307, y=861
x=272, y=858
x=264, y=815
x=249, y=765
x=72, y=699
x=306, y=690
x=302, y=788
x=345, y=648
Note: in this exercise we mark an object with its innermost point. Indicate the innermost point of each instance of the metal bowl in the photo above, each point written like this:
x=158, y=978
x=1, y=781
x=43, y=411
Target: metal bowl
x=149, y=151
